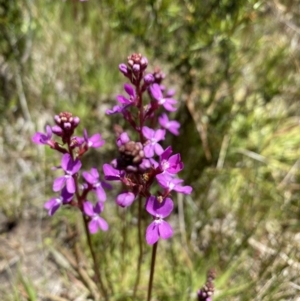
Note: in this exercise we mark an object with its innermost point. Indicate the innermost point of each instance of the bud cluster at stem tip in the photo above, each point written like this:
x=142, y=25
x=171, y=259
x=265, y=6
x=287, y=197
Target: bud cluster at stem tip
x=207, y=291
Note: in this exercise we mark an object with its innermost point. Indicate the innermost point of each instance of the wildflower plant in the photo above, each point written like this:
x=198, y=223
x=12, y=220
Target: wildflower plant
x=145, y=166
x=207, y=291
x=71, y=189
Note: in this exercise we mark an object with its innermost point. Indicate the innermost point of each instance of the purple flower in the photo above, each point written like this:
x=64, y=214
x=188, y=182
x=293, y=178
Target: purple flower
x=96, y=222
x=158, y=228
x=145, y=164
x=76, y=141
x=94, y=141
x=148, y=79
x=154, y=163
x=125, y=199
x=112, y=174
x=41, y=138
x=170, y=93
x=167, y=103
x=171, y=164
x=124, y=102
x=170, y=125
x=94, y=180
x=122, y=139
x=170, y=183
x=54, y=203
x=114, y=110
x=132, y=98
x=70, y=167
x=153, y=145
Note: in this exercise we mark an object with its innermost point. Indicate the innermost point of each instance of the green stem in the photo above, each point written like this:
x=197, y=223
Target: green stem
x=122, y=216
x=100, y=284
x=152, y=271
x=139, y=264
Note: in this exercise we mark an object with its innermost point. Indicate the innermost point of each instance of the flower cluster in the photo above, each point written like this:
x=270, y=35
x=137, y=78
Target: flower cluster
x=67, y=185
x=142, y=164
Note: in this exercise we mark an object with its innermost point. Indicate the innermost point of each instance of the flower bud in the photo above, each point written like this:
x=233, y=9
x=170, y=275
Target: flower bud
x=148, y=79
x=158, y=75
x=124, y=69
x=137, y=62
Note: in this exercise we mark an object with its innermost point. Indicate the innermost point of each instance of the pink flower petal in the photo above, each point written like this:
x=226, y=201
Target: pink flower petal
x=89, y=178
x=93, y=226
x=165, y=230
x=70, y=185
x=103, y=225
x=147, y=132
x=152, y=235
x=59, y=183
x=88, y=208
x=125, y=199
x=101, y=195
x=65, y=161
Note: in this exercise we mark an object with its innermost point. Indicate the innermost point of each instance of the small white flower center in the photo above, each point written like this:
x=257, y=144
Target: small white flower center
x=162, y=101
x=59, y=200
x=96, y=185
x=171, y=185
x=153, y=141
x=165, y=164
x=158, y=219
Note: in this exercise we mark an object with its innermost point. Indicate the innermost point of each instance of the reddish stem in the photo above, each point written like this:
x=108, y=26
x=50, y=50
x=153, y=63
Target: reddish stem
x=152, y=271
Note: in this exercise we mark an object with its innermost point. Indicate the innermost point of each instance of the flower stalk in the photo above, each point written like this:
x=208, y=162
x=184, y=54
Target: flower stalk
x=153, y=257
x=140, y=242
x=99, y=281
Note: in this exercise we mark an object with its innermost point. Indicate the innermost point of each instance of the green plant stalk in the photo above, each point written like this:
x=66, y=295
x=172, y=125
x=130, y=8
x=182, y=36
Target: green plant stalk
x=100, y=283
x=122, y=216
x=139, y=263
x=30, y=290
x=152, y=271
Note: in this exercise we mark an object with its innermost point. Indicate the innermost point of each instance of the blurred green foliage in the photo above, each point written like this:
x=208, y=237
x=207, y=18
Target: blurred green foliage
x=235, y=67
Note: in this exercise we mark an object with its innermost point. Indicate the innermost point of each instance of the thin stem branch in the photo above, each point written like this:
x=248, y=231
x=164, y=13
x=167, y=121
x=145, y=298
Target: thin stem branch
x=79, y=197
x=139, y=263
x=100, y=284
x=152, y=271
